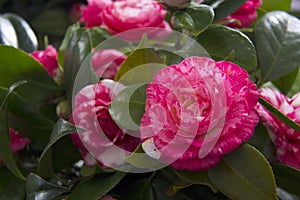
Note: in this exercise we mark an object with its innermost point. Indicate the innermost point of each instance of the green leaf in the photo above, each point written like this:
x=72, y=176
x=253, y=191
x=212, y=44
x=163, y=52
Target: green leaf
x=287, y=178
x=7, y=33
x=223, y=8
x=11, y=187
x=296, y=86
x=244, y=174
x=277, y=40
x=128, y=106
x=37, y=188
x=62, y=128
x=65, y=42
x=270, y=5
x=285, y=83
x=261, y=141
x=198, y=177
x=96, y=187
x=5, y=144
x=280, y=115
x=17, y=65
x=27, y=40
x=138, y=58
x=189, y=19
x=140, y=159
x=220, y=42
x=98, y=35
x=37, y=127
x=77, y=51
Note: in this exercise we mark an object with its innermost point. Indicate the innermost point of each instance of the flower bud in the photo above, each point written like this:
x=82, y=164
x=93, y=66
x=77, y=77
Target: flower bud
x=177, y=3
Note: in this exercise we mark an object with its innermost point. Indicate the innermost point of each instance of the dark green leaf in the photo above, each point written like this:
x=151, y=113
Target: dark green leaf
x=198, y=177
x=223, y=8
x=128, y=106
x=37, y=127
x=277, y=40
x=280, y=115
x=98, y=35
x=37, y=188
x=96, y=187
x=65, y=42
x=142, y=190
x=261, y=141
x=270, y=5
x=27, y=40
x=61, y=129
x=189, y=19
x=295, y=87
x=11, y=187
x=8, y=34
x=5, y=144
x=77, y=51
x=284, y=195
x=136, y=59
x=287, y=178
x=16, y=65
x=223, y=42
x=286, y=82
x=244, y=174
x=140, y=159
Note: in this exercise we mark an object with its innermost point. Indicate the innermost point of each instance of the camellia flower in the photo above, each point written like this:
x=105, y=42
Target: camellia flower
x=246, y=14
x=91, y=14
x=286, y=140
x=107, y=62
x=18, y=142
x=197, y=111
x=48, y=58
x=127, y=15
x=102, y=140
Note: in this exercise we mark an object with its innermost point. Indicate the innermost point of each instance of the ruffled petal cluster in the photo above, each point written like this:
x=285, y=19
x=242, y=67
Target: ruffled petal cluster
x=198, y=111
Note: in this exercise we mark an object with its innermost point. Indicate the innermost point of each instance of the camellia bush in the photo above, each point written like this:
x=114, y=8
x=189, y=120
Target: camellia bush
x=152, y=100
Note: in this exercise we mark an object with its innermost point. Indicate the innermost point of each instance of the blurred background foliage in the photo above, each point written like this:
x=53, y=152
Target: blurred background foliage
x=49, y=18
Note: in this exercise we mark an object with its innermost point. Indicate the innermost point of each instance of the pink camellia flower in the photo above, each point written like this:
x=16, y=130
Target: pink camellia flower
x=103, y=140
x=197, y=111
x=142, y=16
x=286, y=140
x=92, y=13
x=107, y=62
x=246, y=14
x=18, y=142
x=48, y=58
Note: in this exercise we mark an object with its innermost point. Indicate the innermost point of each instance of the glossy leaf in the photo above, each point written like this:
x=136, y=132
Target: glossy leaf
x=223, y=43
x=198, y=177
x=287, y=178
x=17, y=65
x=138, y=58
x=128, y=106
x=78, y=49
x=277, y=40
x=27, y=39
x=5, y=144
x=8, y=34
x=270, y=5
x=11, y=187
x=296, y=86
x=37, y=188
x=98, y=35
x=285, y=83
x=280, y=115
x=223, y=8
x=188, y=19
x=62, y=128
x=96, y=187
x=244, y=174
